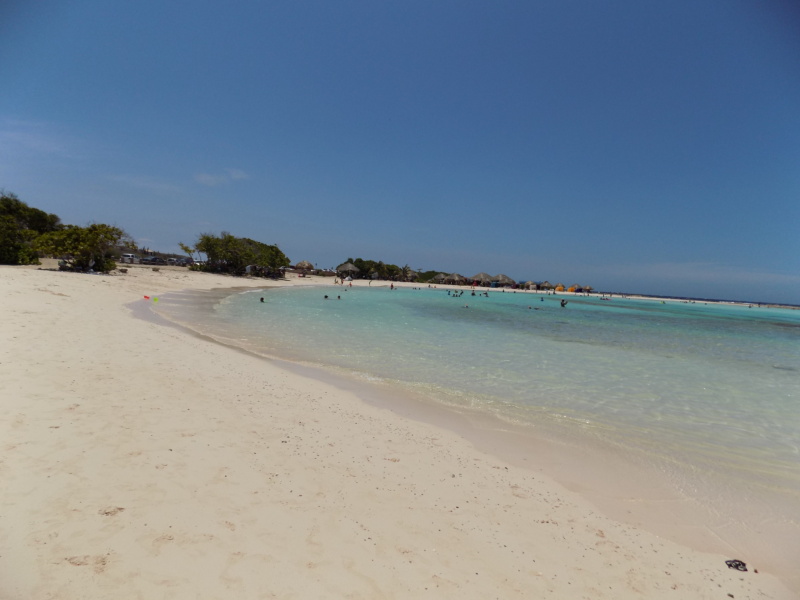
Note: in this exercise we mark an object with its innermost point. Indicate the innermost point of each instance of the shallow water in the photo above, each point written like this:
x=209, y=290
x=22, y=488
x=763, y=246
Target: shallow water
x=705, y=394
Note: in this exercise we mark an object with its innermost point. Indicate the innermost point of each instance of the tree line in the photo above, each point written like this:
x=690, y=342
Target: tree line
x=380, y=270
x=26, y=233
x=368, y=269
x=20, y=226
x=226, y=253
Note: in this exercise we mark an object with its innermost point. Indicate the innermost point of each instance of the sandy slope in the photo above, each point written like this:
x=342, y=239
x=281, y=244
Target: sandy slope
x=139, y=461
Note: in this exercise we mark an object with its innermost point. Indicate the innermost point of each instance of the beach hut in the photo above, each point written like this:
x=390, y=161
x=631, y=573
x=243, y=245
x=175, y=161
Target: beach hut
x=482, y=278
x=304, y=265
x=455, y=279
x=559, y=287
x=347, y=269
x=530, y=285
x=502, y=279
x=439, y=278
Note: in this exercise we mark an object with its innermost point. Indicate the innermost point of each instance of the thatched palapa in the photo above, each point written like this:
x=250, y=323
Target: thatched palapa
x=347, y=268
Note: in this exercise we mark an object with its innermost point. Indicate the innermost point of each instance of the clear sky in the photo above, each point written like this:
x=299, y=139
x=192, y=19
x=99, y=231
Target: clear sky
x=631, y=145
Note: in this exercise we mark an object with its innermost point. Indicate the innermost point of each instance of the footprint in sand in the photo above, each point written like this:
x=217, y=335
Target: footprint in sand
x=517, y=491
x=110, y=511
x=161, y=540
x=98, y=562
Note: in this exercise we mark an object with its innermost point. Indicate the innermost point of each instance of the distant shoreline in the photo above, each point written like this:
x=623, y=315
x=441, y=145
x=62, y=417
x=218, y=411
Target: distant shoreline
x=592, y=294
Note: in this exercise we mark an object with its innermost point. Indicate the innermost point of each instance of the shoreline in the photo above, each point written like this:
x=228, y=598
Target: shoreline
x=624, y=487
x=158, y=463
x=612, y=295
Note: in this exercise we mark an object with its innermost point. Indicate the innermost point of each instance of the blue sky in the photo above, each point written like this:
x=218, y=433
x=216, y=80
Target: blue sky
x=629, y=145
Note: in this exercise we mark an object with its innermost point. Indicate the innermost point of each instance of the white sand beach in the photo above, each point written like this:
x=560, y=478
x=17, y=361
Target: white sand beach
x=141, y=461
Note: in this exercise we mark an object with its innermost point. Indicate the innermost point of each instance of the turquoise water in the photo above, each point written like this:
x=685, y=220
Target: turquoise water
x=707, y=394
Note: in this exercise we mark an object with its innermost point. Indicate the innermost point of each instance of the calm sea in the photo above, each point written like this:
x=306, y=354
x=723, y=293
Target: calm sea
x=708, y=394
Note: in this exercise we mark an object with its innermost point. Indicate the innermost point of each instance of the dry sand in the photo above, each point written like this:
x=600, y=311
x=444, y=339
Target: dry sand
x=140, y=461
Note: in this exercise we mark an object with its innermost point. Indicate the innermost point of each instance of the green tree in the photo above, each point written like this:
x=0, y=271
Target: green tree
x=16, y=244
x=365, y=267
x=379, y=269
x=20, y=225
x=393, y=272
x=426, y=276
x=83, y=248
x=187, y=249
x=229, y=254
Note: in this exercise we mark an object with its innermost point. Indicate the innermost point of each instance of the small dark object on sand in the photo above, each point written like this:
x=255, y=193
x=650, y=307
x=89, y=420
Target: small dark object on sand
x=736, y=564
